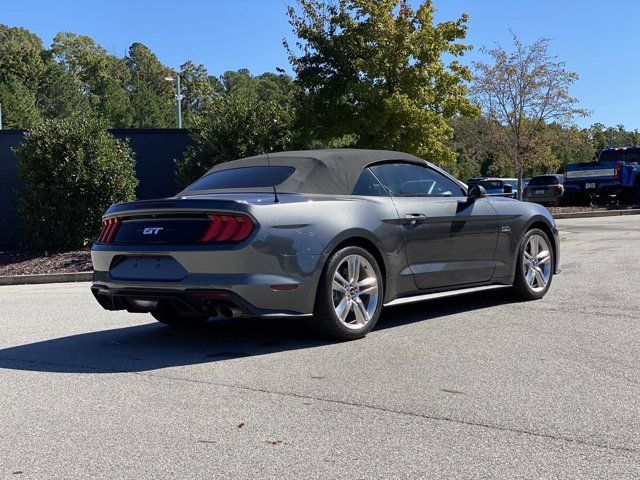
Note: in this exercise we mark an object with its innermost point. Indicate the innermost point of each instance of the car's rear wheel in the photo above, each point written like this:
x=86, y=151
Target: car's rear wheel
x=534, y=271
x=169, y=316
x=350, y=294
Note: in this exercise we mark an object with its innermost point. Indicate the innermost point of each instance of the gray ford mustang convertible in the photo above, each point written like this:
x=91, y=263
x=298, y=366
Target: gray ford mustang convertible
x=331, y=234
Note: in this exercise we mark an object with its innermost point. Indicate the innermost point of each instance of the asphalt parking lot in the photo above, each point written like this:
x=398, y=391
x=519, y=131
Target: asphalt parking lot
x=473, y=387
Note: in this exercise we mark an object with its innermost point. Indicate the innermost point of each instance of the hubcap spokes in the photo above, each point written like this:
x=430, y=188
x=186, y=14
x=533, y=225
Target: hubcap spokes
x=355, y=291
x=537, y=263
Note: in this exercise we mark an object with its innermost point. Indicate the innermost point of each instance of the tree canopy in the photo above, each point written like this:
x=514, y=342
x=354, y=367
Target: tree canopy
x=375, y=70
x=249, y=115
x=523, y=91
x=366, y=73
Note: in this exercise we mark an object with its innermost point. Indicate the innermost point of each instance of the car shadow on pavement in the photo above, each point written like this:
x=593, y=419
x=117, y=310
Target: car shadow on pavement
x=153, y=346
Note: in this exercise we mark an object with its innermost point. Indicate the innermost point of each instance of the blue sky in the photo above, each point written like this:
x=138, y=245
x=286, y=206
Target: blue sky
x=599, y=40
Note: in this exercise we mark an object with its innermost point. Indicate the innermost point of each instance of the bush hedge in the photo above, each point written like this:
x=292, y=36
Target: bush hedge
x=72, y=169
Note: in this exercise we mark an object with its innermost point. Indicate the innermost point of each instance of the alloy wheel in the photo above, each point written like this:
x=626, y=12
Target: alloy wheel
x=537, y=263
x=355, y=291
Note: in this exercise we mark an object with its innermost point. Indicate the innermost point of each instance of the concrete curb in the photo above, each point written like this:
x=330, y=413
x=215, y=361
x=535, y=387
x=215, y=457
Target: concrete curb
x=603, y=213
x=46, y=278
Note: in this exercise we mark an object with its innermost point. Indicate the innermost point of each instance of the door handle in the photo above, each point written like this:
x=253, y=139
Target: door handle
x=413, y=218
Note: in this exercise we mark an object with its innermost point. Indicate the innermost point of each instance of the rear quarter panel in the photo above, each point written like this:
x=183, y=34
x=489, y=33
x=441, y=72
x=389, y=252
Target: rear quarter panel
x=304, y=234
x=514, y=219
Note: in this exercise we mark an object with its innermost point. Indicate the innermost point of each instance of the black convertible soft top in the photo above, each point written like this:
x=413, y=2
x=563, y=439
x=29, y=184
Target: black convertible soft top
x=331, y=171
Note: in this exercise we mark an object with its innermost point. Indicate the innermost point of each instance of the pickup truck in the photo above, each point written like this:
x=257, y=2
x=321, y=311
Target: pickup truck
x=616, y=173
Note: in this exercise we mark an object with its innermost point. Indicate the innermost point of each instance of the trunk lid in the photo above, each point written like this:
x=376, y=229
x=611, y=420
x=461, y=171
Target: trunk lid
x=183, y=220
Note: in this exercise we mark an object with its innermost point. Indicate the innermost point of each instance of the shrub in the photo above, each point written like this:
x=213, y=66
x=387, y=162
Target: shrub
x=72, y=170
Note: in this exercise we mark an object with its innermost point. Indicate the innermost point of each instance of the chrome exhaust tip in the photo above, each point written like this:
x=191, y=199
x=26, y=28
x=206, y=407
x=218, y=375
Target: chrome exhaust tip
x=224, y=310
x=146, y=305
x=228, y=311
x=211, y=309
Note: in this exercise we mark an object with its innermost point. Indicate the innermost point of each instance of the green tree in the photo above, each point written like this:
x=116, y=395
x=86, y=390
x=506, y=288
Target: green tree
x=521, y=91
x=472, y=141
x=570, y=144
x=246, y=115
x=238, y=123
x=232, y=81
x=602, y=136
x=375, y=69
x=81, y=57
x=152, y=96
x=102, y=78
x=149, y=110
x=18, y=105
x=59, y=94
x=72, y=169
x=198, y=91
x=112, y=104
x=20, y=56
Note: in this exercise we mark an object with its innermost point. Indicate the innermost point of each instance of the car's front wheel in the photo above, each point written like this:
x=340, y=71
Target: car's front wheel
x=350, y=294
x=534, y=270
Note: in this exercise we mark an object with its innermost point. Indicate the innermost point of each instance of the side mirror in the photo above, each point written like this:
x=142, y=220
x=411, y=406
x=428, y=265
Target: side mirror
x=475, y=192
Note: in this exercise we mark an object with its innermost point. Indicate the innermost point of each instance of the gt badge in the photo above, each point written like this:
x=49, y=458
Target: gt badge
x=151, y=230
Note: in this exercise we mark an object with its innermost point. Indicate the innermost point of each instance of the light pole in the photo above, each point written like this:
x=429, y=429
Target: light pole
x=176, y=80
x=0, y=116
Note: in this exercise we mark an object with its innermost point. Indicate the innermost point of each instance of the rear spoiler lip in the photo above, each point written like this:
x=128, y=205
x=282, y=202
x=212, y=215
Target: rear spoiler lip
x=176, y=205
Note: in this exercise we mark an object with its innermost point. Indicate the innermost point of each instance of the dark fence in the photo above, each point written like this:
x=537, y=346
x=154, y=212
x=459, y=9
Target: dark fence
x=155, y=149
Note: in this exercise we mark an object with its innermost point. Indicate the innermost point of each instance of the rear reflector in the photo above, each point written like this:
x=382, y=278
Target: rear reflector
x=227, y=228
x=110, y=227
x=210, y=294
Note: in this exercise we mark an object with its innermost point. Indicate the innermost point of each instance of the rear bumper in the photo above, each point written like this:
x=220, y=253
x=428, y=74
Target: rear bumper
x=188, y=302
x=543, y=199
x=261, y=282
x=601, y=187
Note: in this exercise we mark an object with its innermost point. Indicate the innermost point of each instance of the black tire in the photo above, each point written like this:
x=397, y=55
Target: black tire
x=325, y=319
x=167, y=315
x=631, y=196
x=521, y=288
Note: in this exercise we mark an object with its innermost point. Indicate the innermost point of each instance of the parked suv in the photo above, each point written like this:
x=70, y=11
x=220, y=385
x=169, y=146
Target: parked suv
x=545, y=189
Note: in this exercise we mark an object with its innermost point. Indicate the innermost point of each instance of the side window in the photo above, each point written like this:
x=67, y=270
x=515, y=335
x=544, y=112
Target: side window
x=411, y=180
x=369, y=186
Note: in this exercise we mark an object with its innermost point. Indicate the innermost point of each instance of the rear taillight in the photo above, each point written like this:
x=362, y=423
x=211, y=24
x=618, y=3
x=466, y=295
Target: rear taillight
x=525, y=191
x=557, y=190
x=110, y=227
x=227, y=228
x=618, y=170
